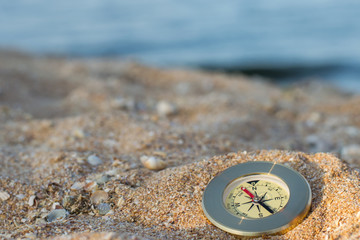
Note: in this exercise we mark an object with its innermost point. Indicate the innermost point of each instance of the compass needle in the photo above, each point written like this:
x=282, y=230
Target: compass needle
x=266, y=207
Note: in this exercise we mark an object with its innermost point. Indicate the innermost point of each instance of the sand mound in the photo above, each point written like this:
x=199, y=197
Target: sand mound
x=55, y=114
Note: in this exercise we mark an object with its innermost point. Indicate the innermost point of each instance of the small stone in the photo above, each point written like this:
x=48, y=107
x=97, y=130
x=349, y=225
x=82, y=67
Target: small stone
x=40, y=221
x=4, y=196
x=94, y=160
x=165, y=108
x=103, y=208
x=351, y=153
x=98, y=197
x=78, y=133
x=120, y=202
x=56, y=205
x=32, y=200
x=90, y=186
x=122, y=103
x=112, y=172
x=56, y=215
x=315, y=144
x=20, y=196
x=103, y=179
x=153, y=163
x=77, y=186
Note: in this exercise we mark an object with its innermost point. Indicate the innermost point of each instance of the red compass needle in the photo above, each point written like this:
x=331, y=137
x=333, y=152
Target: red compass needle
x=248, y=193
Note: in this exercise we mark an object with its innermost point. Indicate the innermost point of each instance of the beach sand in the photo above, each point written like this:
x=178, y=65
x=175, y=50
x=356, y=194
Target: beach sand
x=75, y=131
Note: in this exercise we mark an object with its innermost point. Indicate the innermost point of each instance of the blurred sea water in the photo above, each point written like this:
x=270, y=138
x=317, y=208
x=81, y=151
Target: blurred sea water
x=279, y=39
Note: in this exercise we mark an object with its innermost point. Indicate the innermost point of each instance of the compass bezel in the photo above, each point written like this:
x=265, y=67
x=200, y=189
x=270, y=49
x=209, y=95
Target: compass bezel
x=295, y=210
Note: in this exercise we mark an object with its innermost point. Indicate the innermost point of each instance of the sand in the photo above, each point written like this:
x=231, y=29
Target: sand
x=55, y=113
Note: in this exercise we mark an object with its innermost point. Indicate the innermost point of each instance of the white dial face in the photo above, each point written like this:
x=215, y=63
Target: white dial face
x=256, y=196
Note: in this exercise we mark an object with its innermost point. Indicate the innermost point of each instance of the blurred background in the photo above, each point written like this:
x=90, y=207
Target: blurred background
x=284, y=41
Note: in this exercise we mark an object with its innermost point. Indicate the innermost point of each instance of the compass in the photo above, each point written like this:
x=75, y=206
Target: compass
x=257, y=198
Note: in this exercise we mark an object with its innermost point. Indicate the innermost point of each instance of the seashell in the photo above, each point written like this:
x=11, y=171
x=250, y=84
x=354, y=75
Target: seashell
x=20, y=196
x=56, y=214
x=32, y=200
x=94, y=160
x=103, y=179
x=98, y=197
x=4, y=196
x=78, y=133
x=56, y=205
x=120, y=202
x=103, y=208
x=153, y=163
x=165, y=108
x=112, y=172
x=40, y=221
x=77, y=186
x=90, y=186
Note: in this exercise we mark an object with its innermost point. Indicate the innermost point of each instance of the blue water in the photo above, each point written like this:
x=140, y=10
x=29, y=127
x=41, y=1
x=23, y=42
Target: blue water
x=234, y=34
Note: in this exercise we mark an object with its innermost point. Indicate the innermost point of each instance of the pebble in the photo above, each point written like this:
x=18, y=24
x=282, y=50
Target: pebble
x=316, y=144
x=153, y=163
x=351, y=153
x=90, y=186
x=77, y=186
x=103, y=179
x=94, y=160
x=78, y=133
x=120, y=202
x=56, y=214
x=32, y=200
x=165, y=108
x=122, y=103
x=20, y=196
x=98, y=197
x=56, y=205
x=103, y=208
x=4, y=196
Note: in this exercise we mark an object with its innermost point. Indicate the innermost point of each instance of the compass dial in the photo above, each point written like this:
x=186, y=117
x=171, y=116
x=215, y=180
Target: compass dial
x=256, y=196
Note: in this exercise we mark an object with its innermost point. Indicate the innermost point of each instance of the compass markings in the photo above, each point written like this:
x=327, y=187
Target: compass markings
x=258, y=208
x=253, y=183
x=251, y=206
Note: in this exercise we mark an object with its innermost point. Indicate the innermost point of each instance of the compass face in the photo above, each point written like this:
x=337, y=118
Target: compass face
x=256, y=196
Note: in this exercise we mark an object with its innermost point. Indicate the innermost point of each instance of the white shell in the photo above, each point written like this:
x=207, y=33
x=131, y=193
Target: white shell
x=57, y=214
x=77, y=186
x=120, y=202
x=56, y=205
x=94, y=160
x=98, y=197
x=90, y=186
x=79, y=133
x=4, y=196
x=20, y=196
x=153, y=163
x=31, y=201
x=164, y=108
